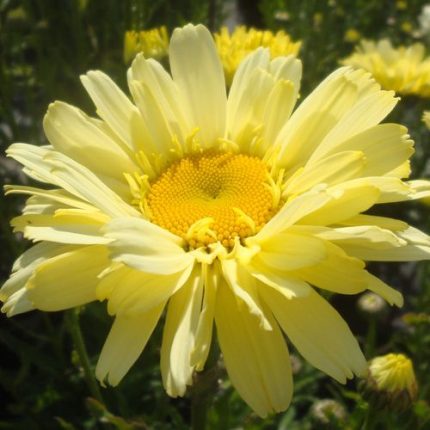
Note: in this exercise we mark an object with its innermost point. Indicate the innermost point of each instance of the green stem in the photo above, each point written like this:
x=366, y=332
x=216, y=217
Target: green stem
x=204, y=386
x=75, y=331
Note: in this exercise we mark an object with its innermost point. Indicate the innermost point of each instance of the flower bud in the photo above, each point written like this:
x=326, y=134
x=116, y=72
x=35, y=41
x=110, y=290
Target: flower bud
x=391, y=382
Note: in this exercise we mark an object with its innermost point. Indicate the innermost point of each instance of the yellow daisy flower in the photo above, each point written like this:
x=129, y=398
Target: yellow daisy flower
x=234, y=47
x=152, y=43
x=227, y=210
x=405, y=70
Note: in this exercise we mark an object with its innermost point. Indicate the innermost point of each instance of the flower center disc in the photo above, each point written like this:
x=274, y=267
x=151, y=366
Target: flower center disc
x=213, y=197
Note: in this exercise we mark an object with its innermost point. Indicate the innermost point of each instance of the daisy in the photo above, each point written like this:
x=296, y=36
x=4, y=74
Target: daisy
x=226, y=214
x=405, y=70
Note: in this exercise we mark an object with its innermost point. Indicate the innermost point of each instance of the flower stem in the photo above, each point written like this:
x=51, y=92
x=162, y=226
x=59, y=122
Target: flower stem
x=78, y=341
x=205, y=385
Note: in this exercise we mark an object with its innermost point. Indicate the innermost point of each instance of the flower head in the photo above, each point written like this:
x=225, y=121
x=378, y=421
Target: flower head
x=227, y=210
x=405, y=70
x=327, y=411
x=372, y=304
x=152, y=43
x=392, y=377
x=234, y=47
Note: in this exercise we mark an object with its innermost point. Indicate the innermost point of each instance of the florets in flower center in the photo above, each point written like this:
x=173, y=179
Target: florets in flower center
x=213, y=197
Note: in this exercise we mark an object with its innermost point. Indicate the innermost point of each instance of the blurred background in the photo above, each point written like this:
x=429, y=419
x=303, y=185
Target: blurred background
x=44, y=46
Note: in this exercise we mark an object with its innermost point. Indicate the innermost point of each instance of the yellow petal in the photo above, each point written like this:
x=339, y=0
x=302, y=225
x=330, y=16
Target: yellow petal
x=321, y=112
x=415, y=246
x=147, y=247
x=81, y=228
x=74, y=134
x=163, y=89
x=283, y=282
x=367, y=236
x=338, y=272
x=59, y=196
x=244, y=287
x=256, y=360
x=292, y=212
x=330, y=170
x=155, y=120
x=179, y=335
x=319, y=333
x=198, y=73
x=126, y=341
x=113, y=106
x=26, y=263
x=132, y=292
x=57, y=284
x=17, y=303
x=367, y=112
x=52, y=167
x=392, y=296
x=386, y=146
x=204, y=327
x=348, y=199
x=291, y=250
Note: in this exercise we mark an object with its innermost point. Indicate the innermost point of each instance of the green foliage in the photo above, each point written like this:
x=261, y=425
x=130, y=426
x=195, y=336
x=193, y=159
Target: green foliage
x=44, y=47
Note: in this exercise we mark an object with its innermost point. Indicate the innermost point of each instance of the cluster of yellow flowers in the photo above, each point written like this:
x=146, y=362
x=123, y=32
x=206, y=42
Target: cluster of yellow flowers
x=224, y=209
x=152, y=43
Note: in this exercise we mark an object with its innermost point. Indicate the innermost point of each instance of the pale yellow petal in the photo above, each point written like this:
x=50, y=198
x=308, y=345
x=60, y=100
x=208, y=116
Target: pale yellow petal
x=245, y=289
x=262, y=96
x=292, y=212
x=291, y=250
x=160, y=134
x=74, y=134
x=83, y=228
x=17, y=303
x=365, y=235
x=322, y=111
x=61, y=197
x=147, y=247
x=131, y=292
x=338, y=272
x=330, y=170
x=257, y=60
x=126, y=341
x=319, y=333
x=203, y=335
x=113, y=106
x=163, y=89
x=199, y=76
x=386, y=147
x=179, y=335
x=348, y=199
x=283, y=282
x=24, y=266
x=67, y=280
x=256, y=360
x=46, y=165
x=366, y=113
x=379, y=287
x=415, y=246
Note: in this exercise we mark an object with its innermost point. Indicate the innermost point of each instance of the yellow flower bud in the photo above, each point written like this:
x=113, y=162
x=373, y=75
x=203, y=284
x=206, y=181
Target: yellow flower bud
x=391, y=379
